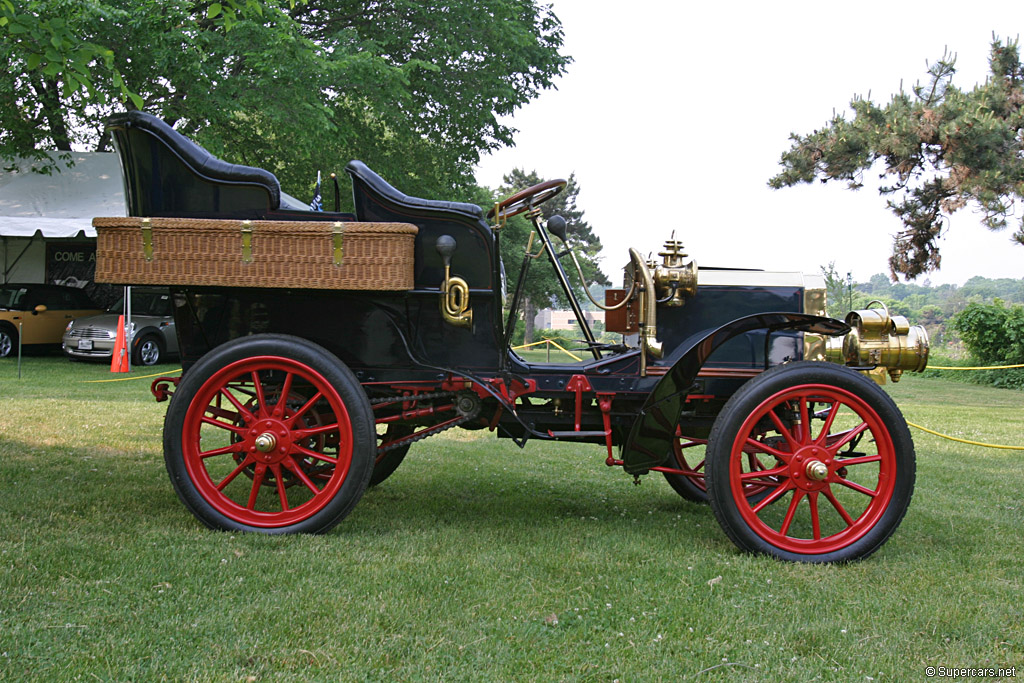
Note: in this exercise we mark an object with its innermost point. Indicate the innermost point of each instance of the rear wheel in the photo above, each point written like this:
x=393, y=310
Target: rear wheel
x=8, y=340
x=388, y=461
x=688, y=457
x=269, y=433
x=834, y=456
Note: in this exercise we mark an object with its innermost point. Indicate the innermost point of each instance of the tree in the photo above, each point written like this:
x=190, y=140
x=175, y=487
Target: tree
x=413, y=89
x=838, y=291
x=542, y=287
x=943, y=148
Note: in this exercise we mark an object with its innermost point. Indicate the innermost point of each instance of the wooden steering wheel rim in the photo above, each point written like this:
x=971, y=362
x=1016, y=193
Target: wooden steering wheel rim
x=527, y=199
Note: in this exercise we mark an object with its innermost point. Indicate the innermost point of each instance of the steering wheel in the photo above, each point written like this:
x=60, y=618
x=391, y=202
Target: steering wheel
x=527, y=199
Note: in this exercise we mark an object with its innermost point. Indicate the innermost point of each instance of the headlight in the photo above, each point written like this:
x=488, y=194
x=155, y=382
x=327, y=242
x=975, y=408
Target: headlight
x=69, y=326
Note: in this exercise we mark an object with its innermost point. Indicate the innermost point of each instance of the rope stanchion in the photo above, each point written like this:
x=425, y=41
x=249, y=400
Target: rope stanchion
x=128, y=379
x=987, y=367
x=973, y=443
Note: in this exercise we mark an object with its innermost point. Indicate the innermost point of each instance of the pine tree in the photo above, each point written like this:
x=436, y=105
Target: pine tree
x=942, y=149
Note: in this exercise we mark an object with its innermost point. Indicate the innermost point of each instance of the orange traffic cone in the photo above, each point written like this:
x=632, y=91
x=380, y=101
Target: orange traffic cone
x=119, y=359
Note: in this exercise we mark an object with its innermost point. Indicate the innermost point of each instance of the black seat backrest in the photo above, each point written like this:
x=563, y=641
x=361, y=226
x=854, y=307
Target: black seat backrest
x=166, y=174
x=376, y=200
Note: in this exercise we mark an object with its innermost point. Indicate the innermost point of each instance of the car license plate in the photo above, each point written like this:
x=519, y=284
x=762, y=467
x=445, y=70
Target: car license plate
x=85, y=345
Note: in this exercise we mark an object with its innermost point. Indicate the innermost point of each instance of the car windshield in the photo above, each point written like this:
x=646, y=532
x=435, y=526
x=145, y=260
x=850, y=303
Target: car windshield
x=12, y=297
x=146, y=302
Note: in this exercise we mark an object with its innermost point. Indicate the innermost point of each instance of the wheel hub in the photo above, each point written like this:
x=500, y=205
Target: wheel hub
x=269, y=441
x=809, y=468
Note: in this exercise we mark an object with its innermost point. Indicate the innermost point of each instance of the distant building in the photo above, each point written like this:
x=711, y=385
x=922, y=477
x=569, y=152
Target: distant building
x=548, y=319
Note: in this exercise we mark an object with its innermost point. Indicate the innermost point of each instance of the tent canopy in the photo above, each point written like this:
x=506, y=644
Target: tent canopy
x=63, y=203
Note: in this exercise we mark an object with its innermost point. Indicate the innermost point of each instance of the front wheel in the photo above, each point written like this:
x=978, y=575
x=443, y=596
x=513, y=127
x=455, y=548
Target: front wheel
x=8, y=340
x=833, y=453
x=269, y=433
x=149, y=350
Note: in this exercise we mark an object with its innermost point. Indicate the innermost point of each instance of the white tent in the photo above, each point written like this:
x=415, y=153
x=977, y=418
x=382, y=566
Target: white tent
x=36, y=208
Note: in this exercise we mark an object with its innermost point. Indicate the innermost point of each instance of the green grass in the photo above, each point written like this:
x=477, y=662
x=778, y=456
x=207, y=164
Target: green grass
x=479, y=561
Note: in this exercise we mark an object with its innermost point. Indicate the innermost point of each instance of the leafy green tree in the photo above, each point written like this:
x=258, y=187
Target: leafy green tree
x=541, y=288
x=942, y=147
x=838, y=291
x=413, y=89
x=993, y=333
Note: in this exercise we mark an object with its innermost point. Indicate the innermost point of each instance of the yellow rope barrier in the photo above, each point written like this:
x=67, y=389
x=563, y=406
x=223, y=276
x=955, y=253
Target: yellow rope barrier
x=973, y=443
x=987, y=367
x=126, y=379
x=551, y=342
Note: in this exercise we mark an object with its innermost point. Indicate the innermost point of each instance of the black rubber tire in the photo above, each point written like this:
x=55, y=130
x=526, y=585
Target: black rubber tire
x=310, y=355
x=149, y=350
x=769, y=384
x=8, y=341
x=387, y=463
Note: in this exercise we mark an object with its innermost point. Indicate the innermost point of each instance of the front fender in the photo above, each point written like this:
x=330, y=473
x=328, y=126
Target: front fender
x=650, y=438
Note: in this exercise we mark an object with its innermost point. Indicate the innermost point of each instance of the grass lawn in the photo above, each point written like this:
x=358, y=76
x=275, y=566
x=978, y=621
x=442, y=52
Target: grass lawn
x=479, y=561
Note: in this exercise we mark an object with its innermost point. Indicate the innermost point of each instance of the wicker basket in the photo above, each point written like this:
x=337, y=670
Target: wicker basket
x=289, y=254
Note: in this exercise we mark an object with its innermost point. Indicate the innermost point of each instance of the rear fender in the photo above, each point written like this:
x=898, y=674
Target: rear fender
x=650, y=438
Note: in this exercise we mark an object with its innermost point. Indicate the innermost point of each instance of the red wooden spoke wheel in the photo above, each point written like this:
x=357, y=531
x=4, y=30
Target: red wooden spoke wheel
x=269, y=433
x=688, y=456
x=832, y=453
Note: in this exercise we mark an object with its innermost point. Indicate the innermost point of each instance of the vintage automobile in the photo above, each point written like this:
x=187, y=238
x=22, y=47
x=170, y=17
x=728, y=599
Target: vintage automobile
x=319, y=346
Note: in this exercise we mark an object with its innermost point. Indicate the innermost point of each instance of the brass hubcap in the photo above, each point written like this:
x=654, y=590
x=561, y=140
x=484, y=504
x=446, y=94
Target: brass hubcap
x=265, y=442
x=817, y=470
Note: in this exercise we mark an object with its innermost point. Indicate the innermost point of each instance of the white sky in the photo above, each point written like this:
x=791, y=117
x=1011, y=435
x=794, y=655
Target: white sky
x=674, y=114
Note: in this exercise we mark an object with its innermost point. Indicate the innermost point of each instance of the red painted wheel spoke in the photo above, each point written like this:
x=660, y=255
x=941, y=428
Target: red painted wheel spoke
x=805, y=421
x=257, y=482
x=846, y=462
x=856, y=487
x=313, y=454
x=838, y=506
x=812, y=500
x=779, y=492
x=279, y=480
x=234, y=473
x=217, y=411
x=783, y=430
x=847, y=438
x=258, y=386
x=300, y=434
x=309, y=404
x=232, y=448
x=745, y=477
x=297, y=470
x=238, y=406
x=765, y=448
x=791, y=511
x=827, y=427
x=224, y=425
x=286, y=390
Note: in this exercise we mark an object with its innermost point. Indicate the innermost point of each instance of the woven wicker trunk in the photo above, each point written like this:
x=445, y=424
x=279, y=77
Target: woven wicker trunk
x=279, y=254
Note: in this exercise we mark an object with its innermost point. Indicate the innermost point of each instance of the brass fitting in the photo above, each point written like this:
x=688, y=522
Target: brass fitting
x=880, y=339
x=674, y=281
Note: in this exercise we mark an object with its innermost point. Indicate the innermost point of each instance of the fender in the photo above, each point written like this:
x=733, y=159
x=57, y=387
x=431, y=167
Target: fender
x=650, y=438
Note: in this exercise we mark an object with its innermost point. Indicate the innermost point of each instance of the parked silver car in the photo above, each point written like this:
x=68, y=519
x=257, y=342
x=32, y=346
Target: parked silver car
x=153, y=336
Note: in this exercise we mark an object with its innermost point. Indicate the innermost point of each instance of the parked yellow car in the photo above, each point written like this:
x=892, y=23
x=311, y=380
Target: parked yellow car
x=39, y=314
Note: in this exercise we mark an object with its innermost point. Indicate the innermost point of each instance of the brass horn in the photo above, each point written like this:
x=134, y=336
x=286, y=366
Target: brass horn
x=454, y=302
